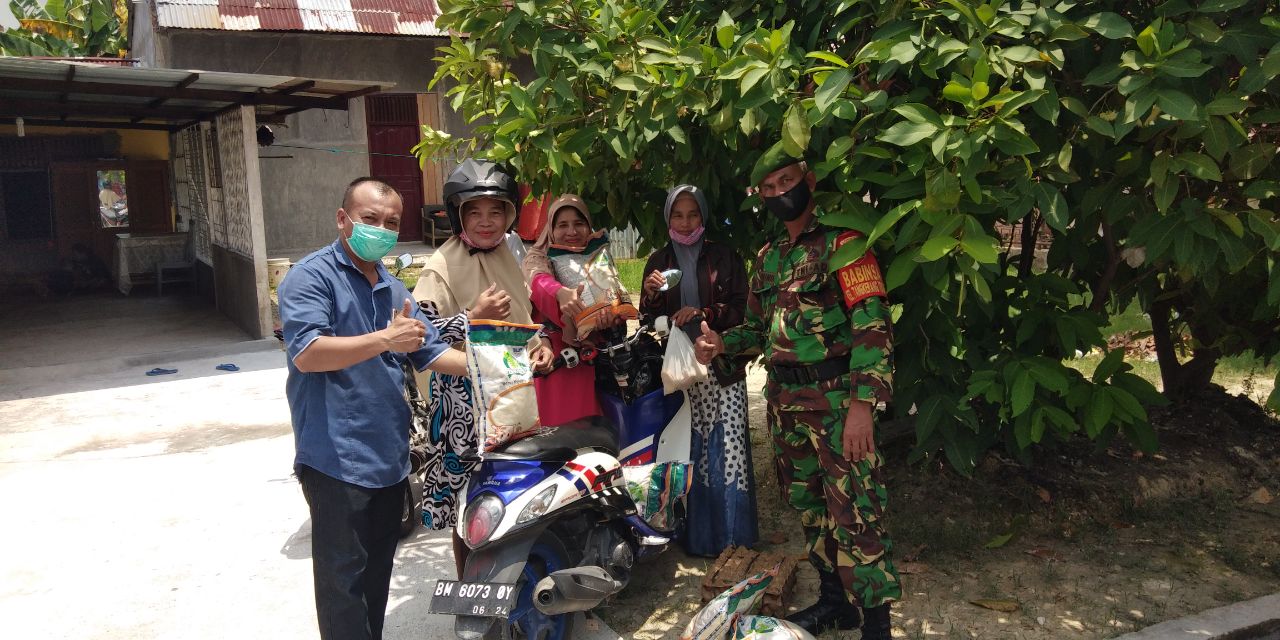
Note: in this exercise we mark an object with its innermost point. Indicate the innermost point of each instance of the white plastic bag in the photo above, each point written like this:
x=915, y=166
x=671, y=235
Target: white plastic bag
x=680, y=368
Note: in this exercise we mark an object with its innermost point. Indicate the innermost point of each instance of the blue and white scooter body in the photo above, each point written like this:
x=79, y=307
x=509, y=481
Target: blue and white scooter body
x=550, y=521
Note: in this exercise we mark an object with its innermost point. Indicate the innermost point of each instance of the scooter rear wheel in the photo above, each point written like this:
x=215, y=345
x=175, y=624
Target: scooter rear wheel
x=548, y=554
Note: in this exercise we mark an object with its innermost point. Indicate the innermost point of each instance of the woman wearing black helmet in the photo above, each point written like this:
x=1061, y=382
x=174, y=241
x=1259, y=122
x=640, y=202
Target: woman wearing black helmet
x=475, y=275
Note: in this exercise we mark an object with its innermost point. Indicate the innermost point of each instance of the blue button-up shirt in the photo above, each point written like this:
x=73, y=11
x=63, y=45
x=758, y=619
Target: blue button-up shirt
x=351, y=424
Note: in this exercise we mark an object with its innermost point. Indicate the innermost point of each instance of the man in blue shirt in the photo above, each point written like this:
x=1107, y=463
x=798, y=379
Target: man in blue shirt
x=348, y=325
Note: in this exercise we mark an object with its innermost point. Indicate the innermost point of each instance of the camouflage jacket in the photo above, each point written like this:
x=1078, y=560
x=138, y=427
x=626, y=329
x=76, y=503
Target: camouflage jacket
x=798, y=313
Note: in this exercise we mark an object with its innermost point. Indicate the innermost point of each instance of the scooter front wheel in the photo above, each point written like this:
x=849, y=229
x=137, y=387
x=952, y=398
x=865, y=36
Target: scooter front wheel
x=546, y=555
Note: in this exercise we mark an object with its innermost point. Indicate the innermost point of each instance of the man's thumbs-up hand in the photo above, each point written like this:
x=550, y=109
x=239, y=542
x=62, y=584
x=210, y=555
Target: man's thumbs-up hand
x=708, y=346
x=405, y=333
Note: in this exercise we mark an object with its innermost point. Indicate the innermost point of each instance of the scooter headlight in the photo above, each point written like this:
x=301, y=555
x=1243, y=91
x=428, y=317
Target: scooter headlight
x=482, y=517
x=538, y=506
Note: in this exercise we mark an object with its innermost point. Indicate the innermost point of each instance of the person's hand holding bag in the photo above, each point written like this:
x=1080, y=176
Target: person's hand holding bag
x=680, y=367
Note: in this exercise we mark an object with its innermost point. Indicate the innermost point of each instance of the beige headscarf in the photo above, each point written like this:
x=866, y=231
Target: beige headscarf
x=455, y=275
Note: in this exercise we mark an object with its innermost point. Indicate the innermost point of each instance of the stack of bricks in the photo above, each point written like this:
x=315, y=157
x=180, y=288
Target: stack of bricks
x=736, y=564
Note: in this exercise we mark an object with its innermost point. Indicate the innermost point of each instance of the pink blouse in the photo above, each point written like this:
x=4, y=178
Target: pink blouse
x=567, y=394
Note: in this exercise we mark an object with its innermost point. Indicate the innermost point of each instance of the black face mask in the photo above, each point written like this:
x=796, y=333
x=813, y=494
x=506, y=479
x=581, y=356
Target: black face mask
x=790, y=205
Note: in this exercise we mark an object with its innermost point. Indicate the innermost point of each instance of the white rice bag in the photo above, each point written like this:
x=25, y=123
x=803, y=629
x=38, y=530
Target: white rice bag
x=502, y=380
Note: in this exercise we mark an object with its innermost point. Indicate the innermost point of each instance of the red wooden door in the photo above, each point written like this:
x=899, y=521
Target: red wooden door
x=392, y=121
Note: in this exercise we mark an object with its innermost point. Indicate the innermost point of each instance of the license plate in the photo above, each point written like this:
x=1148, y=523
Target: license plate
x=473, y=599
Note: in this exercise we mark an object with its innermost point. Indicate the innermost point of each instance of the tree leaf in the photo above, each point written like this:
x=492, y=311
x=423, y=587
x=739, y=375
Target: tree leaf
x=1098, y=413
x=1110, y=365
x=1219, y=6
x=936, y=247
x=1200, y=166
x=905, y=134
x=1226, y=105
x=942, y=191
x=751, y=77
x=1205, y=29
x=1109, y=25
x=1053, y=206
x=795, y=131
x=831, y=88
x=1021, y=392
x=1249, y=161
x=900, y=271
x=919, y=114
x=1186, y=64
x=982, y=248
x=631, y=82
x=828, y=57
x=1177, y=104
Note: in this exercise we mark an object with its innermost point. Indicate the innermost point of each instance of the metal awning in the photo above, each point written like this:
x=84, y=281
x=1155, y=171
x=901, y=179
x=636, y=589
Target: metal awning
x=79, y=94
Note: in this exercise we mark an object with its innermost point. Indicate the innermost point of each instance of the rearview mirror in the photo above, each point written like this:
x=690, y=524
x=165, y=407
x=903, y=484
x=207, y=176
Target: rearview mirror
x=404, y=260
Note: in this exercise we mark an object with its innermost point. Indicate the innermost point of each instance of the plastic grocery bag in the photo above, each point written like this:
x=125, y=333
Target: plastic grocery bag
x=719, y=619
x=680, y=367
x=593, y=269
x=501, y=380
x=766, y=628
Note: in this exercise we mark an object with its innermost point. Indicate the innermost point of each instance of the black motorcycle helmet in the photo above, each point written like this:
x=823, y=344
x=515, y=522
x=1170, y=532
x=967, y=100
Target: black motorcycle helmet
x=473, y=179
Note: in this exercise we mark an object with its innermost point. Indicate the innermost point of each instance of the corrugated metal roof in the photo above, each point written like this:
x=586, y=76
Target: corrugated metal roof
x=385, y=17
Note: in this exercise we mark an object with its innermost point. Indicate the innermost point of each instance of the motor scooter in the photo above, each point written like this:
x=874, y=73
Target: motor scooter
x=552, y=528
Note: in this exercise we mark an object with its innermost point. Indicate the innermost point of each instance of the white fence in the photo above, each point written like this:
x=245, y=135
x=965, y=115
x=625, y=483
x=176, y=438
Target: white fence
x=623, y=243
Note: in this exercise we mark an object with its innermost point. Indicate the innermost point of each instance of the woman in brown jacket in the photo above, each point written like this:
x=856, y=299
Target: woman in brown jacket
x=713, y=287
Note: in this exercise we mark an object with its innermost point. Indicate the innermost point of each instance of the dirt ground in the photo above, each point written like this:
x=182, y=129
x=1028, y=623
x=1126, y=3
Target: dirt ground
x=1086, y=543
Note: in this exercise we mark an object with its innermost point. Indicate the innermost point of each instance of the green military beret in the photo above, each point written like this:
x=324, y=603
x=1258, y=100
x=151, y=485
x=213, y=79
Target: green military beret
x=772, y=160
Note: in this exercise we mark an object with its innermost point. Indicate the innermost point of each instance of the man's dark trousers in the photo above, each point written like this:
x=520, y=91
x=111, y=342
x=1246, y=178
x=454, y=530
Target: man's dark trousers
x=354, y=531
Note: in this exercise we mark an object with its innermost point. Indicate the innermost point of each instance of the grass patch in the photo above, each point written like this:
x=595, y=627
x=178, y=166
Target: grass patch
x=631, y=272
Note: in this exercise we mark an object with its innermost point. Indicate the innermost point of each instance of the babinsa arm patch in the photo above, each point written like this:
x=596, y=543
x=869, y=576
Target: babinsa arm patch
x=861, y=278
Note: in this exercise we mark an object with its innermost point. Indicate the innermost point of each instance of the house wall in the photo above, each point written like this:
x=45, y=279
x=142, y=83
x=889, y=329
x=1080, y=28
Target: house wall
x=302, y=193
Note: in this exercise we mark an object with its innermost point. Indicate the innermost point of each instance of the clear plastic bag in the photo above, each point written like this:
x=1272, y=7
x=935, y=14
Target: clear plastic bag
x=680, y=367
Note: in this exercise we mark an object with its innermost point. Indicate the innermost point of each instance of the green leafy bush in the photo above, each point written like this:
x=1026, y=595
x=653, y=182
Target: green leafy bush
x=1140, y=135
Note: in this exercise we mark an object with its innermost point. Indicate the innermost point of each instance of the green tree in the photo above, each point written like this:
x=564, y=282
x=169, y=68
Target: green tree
x=89, y=28
x=1140, y=134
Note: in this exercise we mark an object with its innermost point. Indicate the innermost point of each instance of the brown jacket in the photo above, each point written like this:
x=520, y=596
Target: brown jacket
x=722, y=282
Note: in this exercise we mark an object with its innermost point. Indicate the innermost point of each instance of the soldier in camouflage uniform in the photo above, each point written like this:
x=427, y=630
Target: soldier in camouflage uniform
x=826, y=340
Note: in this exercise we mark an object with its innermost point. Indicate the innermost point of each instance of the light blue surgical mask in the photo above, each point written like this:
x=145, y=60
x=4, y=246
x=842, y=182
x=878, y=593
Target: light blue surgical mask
x=370, y=243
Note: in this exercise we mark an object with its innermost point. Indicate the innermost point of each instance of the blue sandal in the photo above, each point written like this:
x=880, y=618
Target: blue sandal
x=161, y=372
x=227, y=367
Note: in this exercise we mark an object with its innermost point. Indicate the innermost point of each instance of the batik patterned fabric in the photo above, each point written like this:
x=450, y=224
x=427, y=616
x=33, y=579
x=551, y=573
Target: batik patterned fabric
x=799, y=314
x=450, y=429
x=717, y=620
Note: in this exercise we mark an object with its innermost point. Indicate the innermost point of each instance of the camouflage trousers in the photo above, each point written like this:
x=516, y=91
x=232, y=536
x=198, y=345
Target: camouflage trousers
x=841, y=504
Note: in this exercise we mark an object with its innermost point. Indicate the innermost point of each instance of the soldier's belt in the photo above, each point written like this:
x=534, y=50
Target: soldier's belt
x=809, y=374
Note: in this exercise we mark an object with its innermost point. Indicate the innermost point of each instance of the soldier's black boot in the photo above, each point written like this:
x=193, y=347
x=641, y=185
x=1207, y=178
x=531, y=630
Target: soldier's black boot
x=831, y=611
x=876, y=624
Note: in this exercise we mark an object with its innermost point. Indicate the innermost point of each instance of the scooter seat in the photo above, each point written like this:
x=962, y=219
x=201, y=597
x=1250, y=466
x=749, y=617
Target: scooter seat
x=562, y=443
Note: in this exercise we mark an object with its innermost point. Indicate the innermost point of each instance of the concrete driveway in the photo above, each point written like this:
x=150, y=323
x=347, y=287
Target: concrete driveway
x=139, y=507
